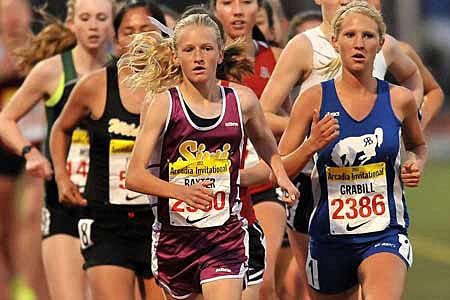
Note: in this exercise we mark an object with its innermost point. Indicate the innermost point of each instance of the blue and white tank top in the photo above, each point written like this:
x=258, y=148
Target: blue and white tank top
x=356, y=179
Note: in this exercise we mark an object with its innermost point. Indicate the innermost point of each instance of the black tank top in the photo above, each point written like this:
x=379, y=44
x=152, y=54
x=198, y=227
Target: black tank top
x=111, y=141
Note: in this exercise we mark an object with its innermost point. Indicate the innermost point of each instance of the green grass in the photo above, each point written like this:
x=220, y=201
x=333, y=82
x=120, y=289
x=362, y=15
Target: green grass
x=429, y=210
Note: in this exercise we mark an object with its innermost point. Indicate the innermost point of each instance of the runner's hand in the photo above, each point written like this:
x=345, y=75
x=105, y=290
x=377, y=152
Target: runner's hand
x=290, y=192
x=198, y=195
x=323, y=131
x=37, y=165
x=68, y=193
x=410, y=174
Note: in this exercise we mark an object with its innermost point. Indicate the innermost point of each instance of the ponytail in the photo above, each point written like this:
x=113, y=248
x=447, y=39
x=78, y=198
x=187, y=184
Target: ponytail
x=235, y=64
x=331, y=69
x=150, y=63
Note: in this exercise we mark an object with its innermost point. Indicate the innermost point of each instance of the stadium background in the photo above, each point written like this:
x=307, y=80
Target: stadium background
x=426, y=25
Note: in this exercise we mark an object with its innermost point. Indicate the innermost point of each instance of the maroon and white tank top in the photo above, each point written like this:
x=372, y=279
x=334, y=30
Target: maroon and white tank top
x=190, y=154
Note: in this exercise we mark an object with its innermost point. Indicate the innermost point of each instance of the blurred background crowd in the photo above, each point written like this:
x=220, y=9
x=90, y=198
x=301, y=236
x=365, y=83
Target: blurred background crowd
x=425, y=24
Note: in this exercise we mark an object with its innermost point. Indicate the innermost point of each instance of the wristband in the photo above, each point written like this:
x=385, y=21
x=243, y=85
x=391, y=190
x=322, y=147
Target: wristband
x=26, y=149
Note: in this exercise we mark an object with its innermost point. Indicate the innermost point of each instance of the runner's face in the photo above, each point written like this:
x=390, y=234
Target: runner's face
x=358, y=42
x=198, y=53
x=92, y=23
x=135, y=20
x=237, y=16
x=262, y=21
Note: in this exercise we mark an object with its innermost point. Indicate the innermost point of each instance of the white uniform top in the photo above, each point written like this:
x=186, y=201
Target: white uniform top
x=323, y=53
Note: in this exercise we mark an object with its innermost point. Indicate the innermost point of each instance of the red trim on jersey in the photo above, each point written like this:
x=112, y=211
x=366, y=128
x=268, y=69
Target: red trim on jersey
x=225, y=83
x=264, y=64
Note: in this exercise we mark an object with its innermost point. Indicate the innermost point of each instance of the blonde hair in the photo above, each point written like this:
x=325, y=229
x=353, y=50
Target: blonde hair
x=54, y=39
x=356, y=7
x=150, y=59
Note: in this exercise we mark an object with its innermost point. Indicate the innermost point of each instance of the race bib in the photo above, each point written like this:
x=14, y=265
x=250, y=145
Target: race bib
x=78, y=158
x=195, y=171
x=357, y=199
x=119, y=157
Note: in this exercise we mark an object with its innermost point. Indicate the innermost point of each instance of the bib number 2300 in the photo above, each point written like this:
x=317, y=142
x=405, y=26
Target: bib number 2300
x=191, y=172
x=217, y=204
x=215, y=214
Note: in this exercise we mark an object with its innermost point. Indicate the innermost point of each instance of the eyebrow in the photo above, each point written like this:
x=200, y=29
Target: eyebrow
x=88, y=13
x=203, y=44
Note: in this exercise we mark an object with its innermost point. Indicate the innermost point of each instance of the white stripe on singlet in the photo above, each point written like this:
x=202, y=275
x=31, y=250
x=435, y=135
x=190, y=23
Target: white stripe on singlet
x=398, y=191
x=237, y=208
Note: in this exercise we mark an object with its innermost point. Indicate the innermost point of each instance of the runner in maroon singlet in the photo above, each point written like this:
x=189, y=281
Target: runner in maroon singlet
x=195, y=133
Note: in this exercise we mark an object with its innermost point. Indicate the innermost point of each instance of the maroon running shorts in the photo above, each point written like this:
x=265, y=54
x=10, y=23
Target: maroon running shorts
x=185, y=258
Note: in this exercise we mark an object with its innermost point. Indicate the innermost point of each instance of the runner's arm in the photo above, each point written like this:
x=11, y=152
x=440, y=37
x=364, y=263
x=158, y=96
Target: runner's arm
x=264, y=141
x=412, y=134
x=257, y=175
x=34, y=89
x=79, y=105
x=288, y=71
x=305, y=114
x=403, y=68
x=433, y=98
x=405, y=108
x=297, y=153
x=145, y=104
x=139, y=179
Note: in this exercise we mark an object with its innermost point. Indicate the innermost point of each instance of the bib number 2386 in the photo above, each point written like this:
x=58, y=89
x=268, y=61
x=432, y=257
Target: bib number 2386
x=357, y=199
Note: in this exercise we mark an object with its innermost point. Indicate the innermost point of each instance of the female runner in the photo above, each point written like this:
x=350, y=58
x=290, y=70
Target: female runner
x=89, y=27
x=234, y=67
x=359, y=225
x=115, y=231
x=319, y=62
x=196, y=130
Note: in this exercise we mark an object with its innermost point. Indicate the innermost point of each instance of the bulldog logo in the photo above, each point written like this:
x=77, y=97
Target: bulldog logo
x=346, y=151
